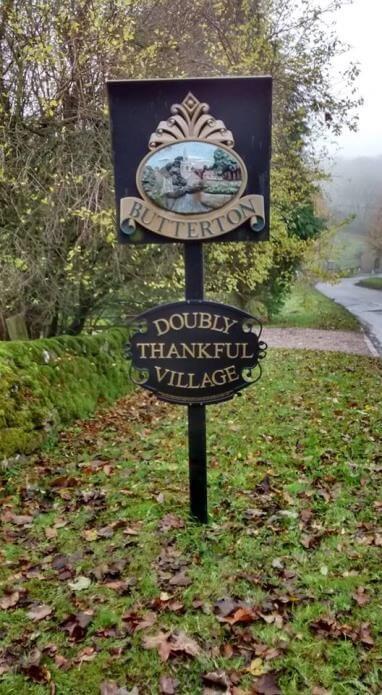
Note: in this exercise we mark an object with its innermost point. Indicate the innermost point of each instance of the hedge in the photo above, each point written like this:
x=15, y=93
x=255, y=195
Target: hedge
x=45, y=384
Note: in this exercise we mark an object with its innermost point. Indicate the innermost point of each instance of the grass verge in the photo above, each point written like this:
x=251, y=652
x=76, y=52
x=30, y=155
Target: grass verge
x=105, y=579
x=371, y=283
x=308, y=308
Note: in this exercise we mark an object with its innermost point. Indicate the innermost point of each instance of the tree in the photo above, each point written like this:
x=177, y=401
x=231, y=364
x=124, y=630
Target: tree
x=58, y=257
x=291, y=42
x=374, y=238
x=59, y=262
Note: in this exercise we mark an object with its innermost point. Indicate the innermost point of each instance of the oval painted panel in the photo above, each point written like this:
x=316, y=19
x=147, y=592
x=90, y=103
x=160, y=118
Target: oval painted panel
x=191, y=177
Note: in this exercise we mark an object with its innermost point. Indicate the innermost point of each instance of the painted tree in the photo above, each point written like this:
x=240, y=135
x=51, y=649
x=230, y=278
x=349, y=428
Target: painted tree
x=223, y=162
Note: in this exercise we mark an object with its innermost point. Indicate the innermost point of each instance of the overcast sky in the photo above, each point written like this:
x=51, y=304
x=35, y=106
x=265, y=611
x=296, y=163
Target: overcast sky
x=360, y=25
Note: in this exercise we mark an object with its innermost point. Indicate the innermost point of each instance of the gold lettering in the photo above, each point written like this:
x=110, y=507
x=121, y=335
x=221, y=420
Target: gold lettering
x=235, y=211
x=228, y=323
x=213, y=322
x=199, y=351
x=173, y=352
x=143, y=217
x=214, y=326
x=203, y=354
x=219, y=377
x=189, y=350
x=206, y=381
x=179, y=383
x=157, y=350
x=166, y=328
x=231, y=373
x=161, y=373
x=205, y=227
x=177, y=228
x=249, y=207
x=182, y=380
x=143, y=351
x=191, y=384
x=172, y=377
x=205, y=320
x=161, y=223
x=191, y=231
x=235, y=351
x=219, y=348
x=136, y=209
x=179, y=319
x=211, y=225
x=186, y=380
x=244, y=354
x=220, y=225
x=187, y=322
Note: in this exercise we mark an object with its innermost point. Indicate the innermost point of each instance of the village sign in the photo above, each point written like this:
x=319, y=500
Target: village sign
x=204, y=179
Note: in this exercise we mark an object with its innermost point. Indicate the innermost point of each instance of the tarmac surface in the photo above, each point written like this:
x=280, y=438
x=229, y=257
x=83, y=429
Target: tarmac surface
x=364, y=303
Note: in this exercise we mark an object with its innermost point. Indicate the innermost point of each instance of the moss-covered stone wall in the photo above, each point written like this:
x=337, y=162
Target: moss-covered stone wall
x=45, y=384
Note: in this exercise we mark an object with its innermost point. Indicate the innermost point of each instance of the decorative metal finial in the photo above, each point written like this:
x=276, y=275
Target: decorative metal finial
x=191, y=120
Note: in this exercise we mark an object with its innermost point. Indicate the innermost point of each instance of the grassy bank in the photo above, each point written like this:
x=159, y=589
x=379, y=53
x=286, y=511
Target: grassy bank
x=371, y=283
x=308, y=308
x=107, y=581
x=47, y=383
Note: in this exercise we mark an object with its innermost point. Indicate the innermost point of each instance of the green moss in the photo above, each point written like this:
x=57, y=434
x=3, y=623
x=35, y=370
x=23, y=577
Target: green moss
x=45, y=383
x=14, y=440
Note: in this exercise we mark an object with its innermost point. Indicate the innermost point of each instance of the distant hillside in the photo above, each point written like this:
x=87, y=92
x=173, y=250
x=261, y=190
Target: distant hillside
x=355, y=188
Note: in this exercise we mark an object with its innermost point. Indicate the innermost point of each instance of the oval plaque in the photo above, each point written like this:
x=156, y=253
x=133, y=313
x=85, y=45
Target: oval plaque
x=191, y=177
x=195, y=351
x=191, y=182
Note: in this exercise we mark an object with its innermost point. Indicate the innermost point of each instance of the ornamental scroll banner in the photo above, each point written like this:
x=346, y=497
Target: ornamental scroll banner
x=191, y=159
x=248, y=209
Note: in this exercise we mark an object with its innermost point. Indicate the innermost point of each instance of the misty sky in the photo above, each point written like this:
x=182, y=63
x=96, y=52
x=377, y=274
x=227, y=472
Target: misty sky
x=360, y=25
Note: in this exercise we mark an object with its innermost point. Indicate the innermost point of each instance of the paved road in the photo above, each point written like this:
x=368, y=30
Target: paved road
x=365, y=304
x=351, y=342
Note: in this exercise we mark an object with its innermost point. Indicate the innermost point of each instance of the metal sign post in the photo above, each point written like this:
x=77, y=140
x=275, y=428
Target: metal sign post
x=197, y=435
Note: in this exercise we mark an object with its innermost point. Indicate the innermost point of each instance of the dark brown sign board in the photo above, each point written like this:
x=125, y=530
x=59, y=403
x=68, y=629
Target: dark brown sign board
x=195, y=351
x=191, y=159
